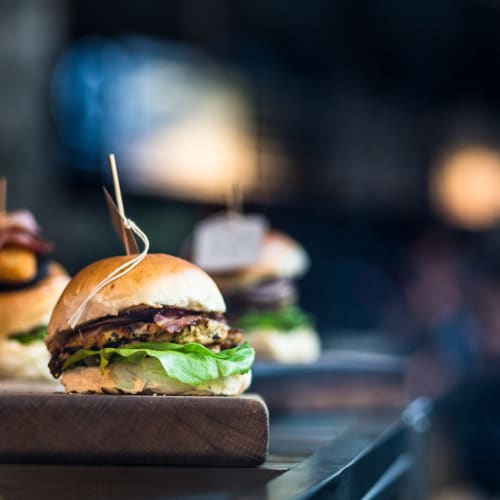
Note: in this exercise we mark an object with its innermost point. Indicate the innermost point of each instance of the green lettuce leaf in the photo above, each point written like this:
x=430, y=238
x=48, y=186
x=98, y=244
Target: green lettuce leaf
x=188, y=363
x=28, y=337
x=285, y=319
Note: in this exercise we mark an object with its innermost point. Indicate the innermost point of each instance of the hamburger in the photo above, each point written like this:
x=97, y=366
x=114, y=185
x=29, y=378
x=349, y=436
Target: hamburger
x=263, y=300
x=159, y=329
x=30, y=285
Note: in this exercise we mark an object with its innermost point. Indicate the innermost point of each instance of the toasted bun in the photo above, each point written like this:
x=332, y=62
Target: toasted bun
x=298, y=346
x=27, y=361
x=25, y=309
x=159, y=280
x=115, y=381
x=280, y=257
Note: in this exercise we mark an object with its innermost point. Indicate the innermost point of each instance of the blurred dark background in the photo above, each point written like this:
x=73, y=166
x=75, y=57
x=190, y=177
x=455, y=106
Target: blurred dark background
x=369, y=131
x=357, y=128
x=334, y=117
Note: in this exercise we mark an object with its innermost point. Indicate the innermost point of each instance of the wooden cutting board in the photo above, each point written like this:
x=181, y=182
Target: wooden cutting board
x=109, y=429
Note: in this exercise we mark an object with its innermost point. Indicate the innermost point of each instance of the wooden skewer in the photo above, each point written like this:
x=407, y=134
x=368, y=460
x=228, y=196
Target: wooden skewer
x=3, y=195
x=234, y=200
x=116, y=185
x=118, y=198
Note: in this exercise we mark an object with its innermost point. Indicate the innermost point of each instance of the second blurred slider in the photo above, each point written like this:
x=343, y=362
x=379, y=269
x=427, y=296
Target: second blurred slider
x=263, y=300
x=256, y=267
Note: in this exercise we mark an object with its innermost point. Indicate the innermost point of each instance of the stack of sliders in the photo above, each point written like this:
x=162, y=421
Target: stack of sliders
x=159, y=329
x=262, y=300
x=30, y=284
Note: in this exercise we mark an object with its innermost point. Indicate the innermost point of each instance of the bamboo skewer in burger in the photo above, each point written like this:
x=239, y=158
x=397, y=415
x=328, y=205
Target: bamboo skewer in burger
x=30, y=284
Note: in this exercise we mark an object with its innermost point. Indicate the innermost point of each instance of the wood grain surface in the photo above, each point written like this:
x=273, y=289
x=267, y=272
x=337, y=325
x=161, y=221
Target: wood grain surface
x=109, y=429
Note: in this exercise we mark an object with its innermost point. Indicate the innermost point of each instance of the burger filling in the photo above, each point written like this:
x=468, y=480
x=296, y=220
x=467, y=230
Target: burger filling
x=268, y=295
x=35, y=335
x=172, y=336
x=284, y=319
x=23, y=254
x=268, y=305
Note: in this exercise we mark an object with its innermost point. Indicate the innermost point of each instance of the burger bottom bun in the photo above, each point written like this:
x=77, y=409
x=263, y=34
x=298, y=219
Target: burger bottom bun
x=301, y=345
x=121, y=378
x=28, y=361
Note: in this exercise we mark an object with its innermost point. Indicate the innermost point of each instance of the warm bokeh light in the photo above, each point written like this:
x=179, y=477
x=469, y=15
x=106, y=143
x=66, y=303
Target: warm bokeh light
x=203, y=156
x=465, y=187
x=198, y=159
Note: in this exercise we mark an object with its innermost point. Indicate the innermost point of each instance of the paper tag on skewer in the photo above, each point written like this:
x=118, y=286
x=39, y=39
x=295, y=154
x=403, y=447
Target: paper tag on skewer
x=125, y=235
x=226, y=242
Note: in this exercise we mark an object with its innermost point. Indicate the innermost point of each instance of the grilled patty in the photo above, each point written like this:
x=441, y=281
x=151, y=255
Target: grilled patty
x=164, y=325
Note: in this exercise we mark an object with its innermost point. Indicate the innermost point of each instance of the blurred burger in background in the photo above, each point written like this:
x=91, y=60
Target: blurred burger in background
x=30, y=285
x=263, y=301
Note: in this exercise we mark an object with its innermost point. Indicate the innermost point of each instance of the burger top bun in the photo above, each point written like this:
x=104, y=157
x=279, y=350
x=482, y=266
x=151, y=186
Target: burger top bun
x=159, y=280
x=30, y=307
x=280, y=257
